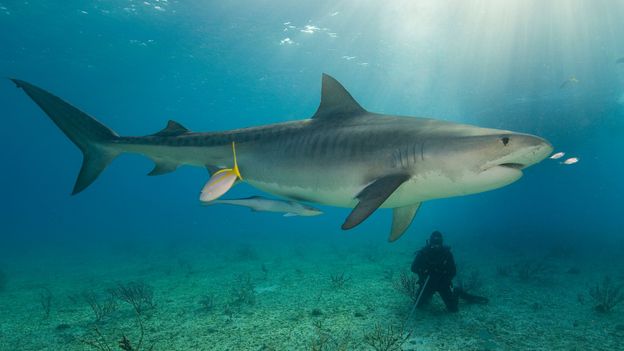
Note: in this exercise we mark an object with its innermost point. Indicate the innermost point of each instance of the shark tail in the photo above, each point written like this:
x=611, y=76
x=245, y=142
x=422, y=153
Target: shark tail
x=92, y=137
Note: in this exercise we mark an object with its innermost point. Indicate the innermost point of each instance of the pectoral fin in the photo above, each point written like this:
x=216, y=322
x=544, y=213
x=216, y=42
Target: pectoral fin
x=372, y=197
x=402, y=217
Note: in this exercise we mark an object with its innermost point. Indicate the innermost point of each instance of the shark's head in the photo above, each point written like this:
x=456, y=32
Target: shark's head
x=483, y=159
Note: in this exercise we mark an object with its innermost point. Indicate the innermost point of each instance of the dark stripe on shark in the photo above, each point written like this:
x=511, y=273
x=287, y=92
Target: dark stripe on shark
x=268, y=134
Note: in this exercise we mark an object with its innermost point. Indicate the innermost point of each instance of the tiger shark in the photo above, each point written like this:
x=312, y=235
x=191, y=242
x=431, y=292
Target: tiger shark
x=342, y=156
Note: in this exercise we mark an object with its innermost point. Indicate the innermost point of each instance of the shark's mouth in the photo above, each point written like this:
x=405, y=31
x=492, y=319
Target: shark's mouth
x=517, y=166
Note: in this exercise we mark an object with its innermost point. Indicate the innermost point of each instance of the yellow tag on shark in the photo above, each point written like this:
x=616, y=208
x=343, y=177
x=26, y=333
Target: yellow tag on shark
x=221, y=181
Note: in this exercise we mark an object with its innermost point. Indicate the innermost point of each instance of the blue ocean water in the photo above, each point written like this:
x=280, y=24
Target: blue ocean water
x=214, y=66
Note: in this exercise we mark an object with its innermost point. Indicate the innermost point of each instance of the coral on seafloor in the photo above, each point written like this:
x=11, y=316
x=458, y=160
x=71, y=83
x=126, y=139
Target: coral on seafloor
x=386, y=339
x=138, y=294
x=607, y=294
x=408, y=285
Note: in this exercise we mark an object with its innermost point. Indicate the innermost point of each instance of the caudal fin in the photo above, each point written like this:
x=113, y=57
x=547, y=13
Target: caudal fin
x=92, y=137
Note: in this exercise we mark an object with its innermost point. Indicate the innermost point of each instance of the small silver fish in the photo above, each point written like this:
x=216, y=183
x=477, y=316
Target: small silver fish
x=262, y=204
x=571, y=161
x=557, y=156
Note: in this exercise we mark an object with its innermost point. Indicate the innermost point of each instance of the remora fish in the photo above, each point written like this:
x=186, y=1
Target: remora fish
x=343, y=156
x=262, y=204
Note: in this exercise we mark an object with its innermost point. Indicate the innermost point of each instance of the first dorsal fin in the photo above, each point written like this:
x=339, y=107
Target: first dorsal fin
x=173, y=128
x=336, y=101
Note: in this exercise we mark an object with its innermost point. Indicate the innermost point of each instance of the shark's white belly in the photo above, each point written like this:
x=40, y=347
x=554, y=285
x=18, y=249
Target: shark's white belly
x=435, y=185
x=419, y=188
x=340, y=197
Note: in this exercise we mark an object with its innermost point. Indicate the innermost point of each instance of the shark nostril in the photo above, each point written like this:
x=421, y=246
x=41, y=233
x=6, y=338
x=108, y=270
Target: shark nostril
x=505, y=140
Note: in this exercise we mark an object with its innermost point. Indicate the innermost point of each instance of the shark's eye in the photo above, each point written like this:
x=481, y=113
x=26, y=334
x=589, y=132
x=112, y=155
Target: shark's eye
x=505, y=140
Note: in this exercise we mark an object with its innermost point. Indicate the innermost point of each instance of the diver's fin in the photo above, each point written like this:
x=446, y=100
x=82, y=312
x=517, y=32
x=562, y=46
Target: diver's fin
x=402, y=217
x=92, y=137
x=173, y=128
x=163, y=168
x=336, y=101
x=372, y=197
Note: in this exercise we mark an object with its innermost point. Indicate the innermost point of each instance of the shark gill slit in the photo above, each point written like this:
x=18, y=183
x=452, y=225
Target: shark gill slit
x=324, y=145
x=312, y=145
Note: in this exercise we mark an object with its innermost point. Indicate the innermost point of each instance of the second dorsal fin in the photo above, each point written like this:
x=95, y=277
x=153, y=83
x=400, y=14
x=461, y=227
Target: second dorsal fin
x=173, y=128
x=336, y=101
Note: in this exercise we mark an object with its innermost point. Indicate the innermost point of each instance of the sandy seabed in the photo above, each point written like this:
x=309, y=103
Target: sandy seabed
x=314, y=295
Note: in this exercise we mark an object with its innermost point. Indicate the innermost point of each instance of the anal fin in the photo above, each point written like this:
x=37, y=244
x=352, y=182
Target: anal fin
x=212, y=169
x=402, y=217
x=372, y=197
x=163, y=168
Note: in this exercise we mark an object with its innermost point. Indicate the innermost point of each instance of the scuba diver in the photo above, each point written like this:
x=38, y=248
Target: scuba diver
x=436, y=269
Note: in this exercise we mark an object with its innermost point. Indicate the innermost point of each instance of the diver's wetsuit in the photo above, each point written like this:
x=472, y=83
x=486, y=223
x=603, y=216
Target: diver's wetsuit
x=438, y=263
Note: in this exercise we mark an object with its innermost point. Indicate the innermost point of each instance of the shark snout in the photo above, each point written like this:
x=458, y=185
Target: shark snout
x=527, y=150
